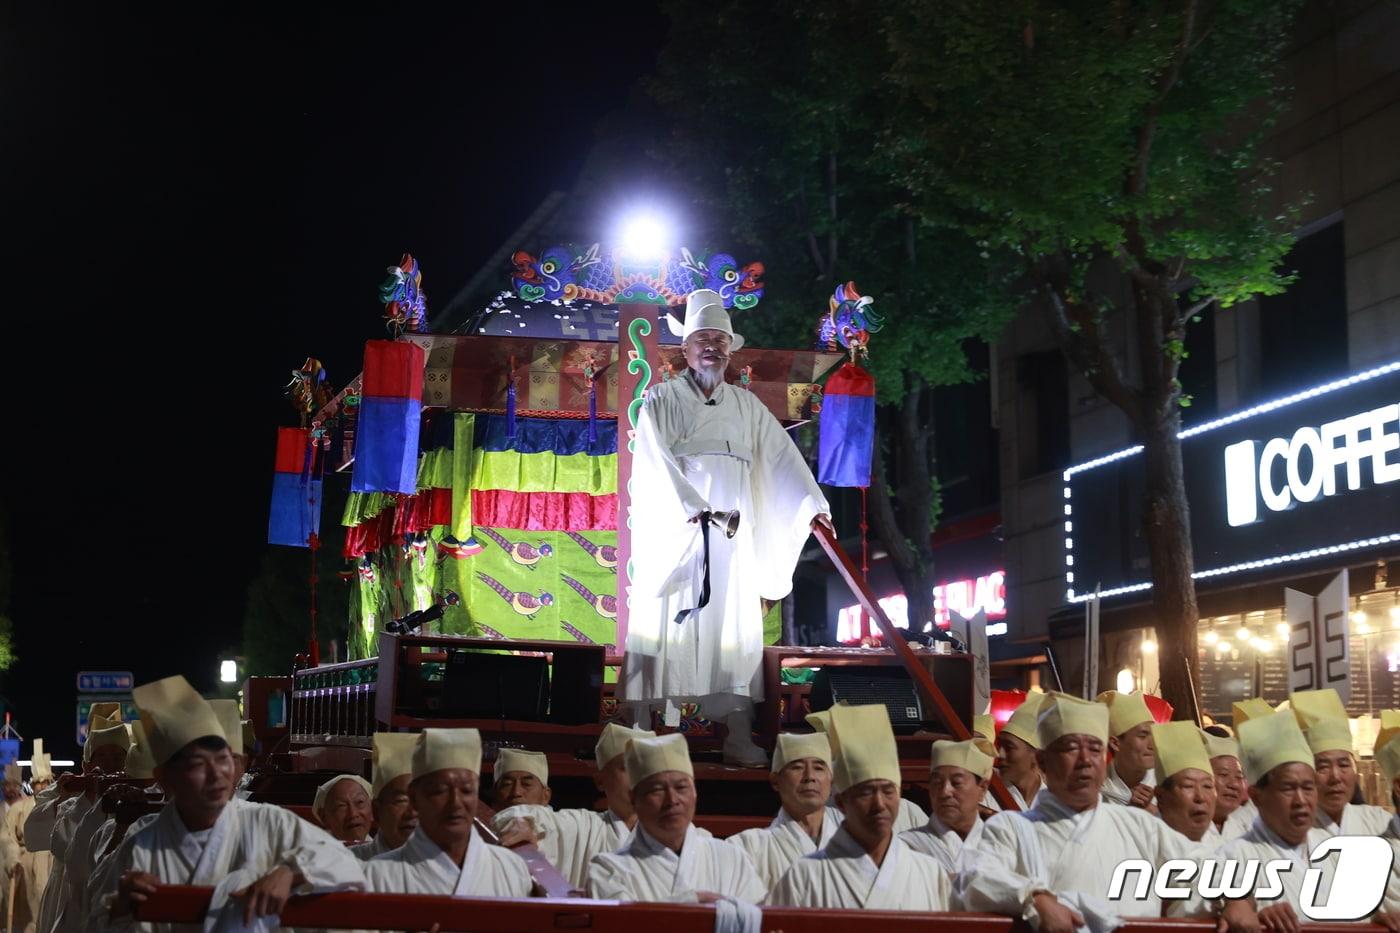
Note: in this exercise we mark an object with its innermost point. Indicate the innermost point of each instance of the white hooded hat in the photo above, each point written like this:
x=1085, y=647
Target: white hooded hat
x=704, y=310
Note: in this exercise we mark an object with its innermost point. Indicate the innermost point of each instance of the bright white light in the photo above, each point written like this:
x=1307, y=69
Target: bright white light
x=56, y=763
x=1359, y=617
x=228, y=672
x=1149, y=646
x=645, y=237
x=1395, y=615
x=1210, y=637
x=1262, y=645
x=1282, y=629
x=1125, y=681
x=1242, y=634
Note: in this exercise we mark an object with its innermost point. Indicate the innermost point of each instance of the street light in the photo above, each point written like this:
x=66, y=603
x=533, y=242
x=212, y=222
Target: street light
x=644, y=236
x=228, y=672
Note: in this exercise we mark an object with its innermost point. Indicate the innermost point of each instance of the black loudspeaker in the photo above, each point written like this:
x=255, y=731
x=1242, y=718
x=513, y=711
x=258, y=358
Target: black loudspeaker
x=495, y=686
x=895, y=690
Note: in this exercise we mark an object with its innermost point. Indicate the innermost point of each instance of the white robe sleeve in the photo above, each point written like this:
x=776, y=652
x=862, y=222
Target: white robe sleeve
x=792, y=890
x=786, y=498
x=39, y=828
x=608, y=879
x=322, y=860
x=663, y=503
x=989, y=878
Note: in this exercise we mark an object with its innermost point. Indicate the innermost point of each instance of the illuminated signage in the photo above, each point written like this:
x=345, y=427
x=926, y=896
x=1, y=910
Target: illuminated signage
x=965, y=597
x=1306, y=477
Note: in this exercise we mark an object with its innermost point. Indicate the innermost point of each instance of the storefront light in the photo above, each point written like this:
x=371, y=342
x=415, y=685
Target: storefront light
x=1395, y=616
x=1149, y=646
x=1211, y=637
x=1125, y=681
x=1282, y=629
x=1242, y=635
x=1262, y=645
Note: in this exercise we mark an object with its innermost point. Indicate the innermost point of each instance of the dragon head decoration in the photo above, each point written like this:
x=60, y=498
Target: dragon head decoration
x=405, y=305
x=848, y=322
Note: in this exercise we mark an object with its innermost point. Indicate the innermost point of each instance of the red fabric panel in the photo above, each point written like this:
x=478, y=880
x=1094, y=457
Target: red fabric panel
x=291, y=449
x=393, y=370
x=850, y=379
x=543, y=511
x=421, y=512
x=369, y=536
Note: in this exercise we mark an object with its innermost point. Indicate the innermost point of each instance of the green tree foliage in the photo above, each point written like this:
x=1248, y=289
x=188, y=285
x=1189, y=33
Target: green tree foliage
x=782, y=121
x=7, y=628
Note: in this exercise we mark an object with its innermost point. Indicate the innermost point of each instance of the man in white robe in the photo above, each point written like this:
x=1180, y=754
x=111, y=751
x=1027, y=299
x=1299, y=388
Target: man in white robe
x=1327, y=728
x=393, y=807
x=1231, y=789
x=866, y=864
x=1130, y=777
x=957, y=782
x=1053, y=865
x=908, y=814
x=1016, y=762
x=445, y=854
x=666, y=858
x=1186, y=795
x=29, y=869
x=1278, y=765
x=704, y=446
x=344, y=807
x=801, y=777
x=569, y=839
x=255, y=856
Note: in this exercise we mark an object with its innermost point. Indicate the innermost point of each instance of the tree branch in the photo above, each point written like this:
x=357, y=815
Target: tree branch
x=812, y=248
x=1137, y=178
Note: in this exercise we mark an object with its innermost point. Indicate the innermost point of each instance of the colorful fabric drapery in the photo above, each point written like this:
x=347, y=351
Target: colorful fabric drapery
x=296, y=490
x=847, y=443
x=386, y=441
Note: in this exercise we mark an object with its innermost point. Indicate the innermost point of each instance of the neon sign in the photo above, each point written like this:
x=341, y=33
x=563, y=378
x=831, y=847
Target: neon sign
x=965, y=597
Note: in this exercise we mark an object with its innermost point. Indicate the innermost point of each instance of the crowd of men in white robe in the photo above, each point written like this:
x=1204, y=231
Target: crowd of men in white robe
x=844, y=837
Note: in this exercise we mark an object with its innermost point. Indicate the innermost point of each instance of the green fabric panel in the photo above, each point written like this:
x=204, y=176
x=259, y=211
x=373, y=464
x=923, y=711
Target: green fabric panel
x=435, y=469
x=577, y=610
x=545, y=472
x=463, y=430
x=773, y=624
x=362, y=506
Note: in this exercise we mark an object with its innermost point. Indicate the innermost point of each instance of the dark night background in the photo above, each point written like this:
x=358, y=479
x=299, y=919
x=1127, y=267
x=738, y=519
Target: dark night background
x=193, y=203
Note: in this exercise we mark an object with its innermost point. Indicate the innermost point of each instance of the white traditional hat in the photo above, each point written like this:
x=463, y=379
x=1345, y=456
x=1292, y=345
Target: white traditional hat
x=324, y=791
x=1023, y=718
x=1126, y=711
x=40, y=767
x=232, y=722
x=704, y=310
x=795, y=747
x=516, y=759
x=1323, y=719
x=1266, y=742
x=140, y=763
x=1179, y=747
x=613, y=742
x=646, y=757
x=447, y=749
x=174, y=716
x=967, y=755
x=393, y=758
x=1063, y=715
x=1220, y=747
x=863, y=746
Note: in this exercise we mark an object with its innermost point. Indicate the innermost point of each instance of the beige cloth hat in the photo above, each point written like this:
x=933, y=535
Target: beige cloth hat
x=1126, y=711
x=613, y=742
x=862, y=746
x=1269, y=741
x=821, y=721
x=1022, y=723
x=1388, y=744
x=174, y=716
x=139, y=761
x=118, y=734
x=1217, y=747
x=112, y=712
x=985, y=725
x=40, y=763
x=967, y=755
x=445, y=749
x=324, y=791
x=793, y=747
x=393, y=758
x=1062, y=715
x=232, y=722
x=704, y=310
x=1323, y=719
x=1179, y=747
x=1246, y=710
x=516, y=759
x=646, y=757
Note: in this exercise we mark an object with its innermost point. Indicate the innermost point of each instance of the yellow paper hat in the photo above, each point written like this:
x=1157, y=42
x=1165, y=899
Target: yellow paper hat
x=324, y=791
x=613, y=742
x=517, y=759
x=139, y=761
x=1246, y=710
x=1323, y=719
x=821, y=721
x=112, y=712
x=1022, y=723
x=40, y=767
x=1126, y=711
x=1063, y=715
x=648, y=757
x=792, y=747
x=174, y=716
x=118, y=734
x=1179, y=747
x=862, y=746
x=985, y=725
x=446, y=749
x=1217, y=747
x=231, y=720
x=393, y=758
x=967, y=755
x=1269, y=741
x=1387, y=752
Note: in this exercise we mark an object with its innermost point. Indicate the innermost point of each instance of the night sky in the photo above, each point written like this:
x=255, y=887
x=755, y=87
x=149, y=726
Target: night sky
x=191, y=207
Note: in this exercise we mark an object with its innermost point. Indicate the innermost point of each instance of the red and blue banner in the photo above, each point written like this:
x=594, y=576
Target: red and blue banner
x=296, y=490
x=391, y=405
x=847, y=428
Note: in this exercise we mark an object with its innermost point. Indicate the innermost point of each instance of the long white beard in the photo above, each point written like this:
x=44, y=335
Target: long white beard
x=709, y=379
